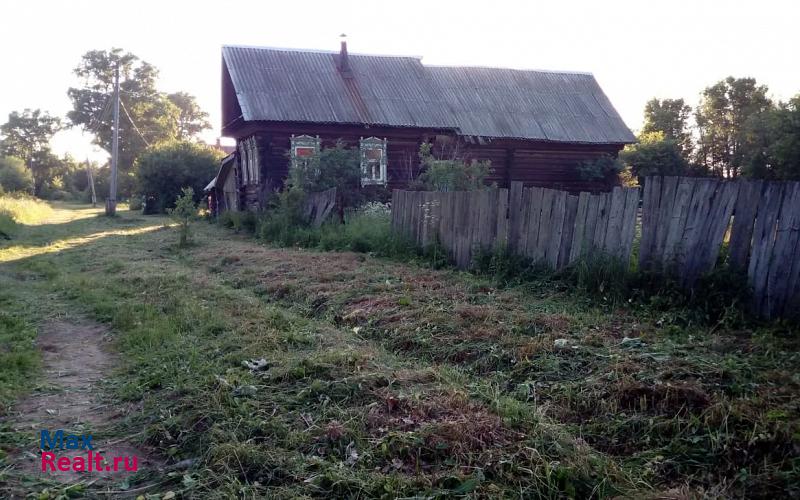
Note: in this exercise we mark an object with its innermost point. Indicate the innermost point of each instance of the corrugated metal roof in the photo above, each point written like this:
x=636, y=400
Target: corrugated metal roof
x=306, y=86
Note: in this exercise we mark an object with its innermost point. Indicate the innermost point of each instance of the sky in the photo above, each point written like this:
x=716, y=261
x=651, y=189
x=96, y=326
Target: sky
x=636, y=49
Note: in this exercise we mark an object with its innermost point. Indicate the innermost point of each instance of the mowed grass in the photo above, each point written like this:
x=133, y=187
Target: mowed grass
x=388, y=380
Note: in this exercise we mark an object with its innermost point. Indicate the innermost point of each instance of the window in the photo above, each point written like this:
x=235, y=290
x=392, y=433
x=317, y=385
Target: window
x=249, y=161
x=303, y=147
x=373, y=161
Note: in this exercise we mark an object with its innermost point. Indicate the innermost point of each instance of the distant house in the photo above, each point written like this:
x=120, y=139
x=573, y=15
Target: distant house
x=534, y=126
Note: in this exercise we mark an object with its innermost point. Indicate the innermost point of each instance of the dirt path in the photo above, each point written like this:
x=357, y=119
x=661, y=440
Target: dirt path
x=75, y=359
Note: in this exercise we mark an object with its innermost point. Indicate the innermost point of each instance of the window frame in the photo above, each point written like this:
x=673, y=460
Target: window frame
x=304, y=142
x=371, y=144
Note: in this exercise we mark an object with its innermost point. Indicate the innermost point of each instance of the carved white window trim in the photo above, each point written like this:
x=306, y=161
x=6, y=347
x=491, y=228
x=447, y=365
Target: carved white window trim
x=303, y=142
x=373, y=172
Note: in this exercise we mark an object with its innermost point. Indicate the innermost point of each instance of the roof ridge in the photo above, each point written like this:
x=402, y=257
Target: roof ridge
x=317, y=51
x=525, y=70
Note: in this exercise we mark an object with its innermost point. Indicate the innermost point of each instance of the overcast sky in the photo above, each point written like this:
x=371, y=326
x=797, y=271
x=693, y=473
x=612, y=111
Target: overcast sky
x=636, y=49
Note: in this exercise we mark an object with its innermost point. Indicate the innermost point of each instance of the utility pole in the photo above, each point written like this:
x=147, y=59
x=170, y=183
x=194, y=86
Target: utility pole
x=91, y=181
x=111, y=202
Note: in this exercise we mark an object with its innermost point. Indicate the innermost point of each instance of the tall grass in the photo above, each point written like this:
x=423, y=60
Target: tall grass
x=20, y=209
x=367, y=230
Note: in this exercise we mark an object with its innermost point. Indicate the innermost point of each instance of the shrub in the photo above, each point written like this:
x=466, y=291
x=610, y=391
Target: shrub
x=163, y=170
x=338, y=167
x=14, y=176
x=452, y=174
x=604, y=167
x=185, y=210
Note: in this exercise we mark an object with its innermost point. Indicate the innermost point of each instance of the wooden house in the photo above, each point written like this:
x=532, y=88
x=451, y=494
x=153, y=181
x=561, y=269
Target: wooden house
x=534, y=126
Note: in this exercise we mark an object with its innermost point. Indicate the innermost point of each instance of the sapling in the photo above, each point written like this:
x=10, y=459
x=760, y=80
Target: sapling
x=185, y=210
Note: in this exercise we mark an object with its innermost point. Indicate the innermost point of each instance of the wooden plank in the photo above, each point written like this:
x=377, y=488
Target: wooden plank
x=628, y=231
x=592, y=214
x=578, y=235
x=652, y=197
x=568, y=231
x=515, y=216
x=544, y=226
x=717, y=224
x=763, y=242
x=556, y=228
x=602, y=223
x=669, y=188
x=784, y=252
x=524, y=218
x=612, y=238
x=502, y=234
x=677, y=221
x=533, y=220
x=791, y=303
x=693, y=232
x=744, y=217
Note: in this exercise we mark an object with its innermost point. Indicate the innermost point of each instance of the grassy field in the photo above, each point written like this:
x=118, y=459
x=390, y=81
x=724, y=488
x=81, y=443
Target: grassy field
x=387, y=380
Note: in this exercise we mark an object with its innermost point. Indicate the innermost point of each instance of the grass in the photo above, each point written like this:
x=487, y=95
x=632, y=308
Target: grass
x=24, y=209
x=387, y=379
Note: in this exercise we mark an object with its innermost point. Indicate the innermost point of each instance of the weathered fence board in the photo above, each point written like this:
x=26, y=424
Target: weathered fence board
x=684, y=222
x=549, y=226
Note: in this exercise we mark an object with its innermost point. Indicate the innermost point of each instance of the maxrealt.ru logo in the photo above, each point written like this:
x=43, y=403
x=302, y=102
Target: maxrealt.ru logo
x=92, y=462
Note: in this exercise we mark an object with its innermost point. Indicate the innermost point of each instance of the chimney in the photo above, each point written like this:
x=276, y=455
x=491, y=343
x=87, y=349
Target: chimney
x=344, y=61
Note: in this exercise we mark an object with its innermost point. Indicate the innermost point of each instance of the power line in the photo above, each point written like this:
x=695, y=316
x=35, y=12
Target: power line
x=133, y=123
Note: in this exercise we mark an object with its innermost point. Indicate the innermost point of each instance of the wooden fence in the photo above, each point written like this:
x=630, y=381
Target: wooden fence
x=685, y=221
x=544, y=224
x=683, y=224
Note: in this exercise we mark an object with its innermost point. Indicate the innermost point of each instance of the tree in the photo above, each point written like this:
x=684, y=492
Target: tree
x=14, y=176
x=725, y=118
x=774, y=143
x=654, y=154
x=165, y=169
x=147, y=116
x=670, y=117
x=27, y=136
x=191, y=118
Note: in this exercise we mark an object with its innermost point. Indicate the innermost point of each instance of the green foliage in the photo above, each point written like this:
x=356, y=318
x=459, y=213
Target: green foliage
x=452, y=174
x=602, y=168
x=159, y=117
x=24, y=209
x=14, y=177
x=366, y=230
x=27, y=136
x=776, y=135
x=726, y=111
x=654, y=155
x=338, y=167
x=163, y=170
x=184, y=212
x=670, y=117
x=238, y=221
x=191, y=118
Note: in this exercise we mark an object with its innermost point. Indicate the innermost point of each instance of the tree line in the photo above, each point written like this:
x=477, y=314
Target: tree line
x=155, y=126
x=736, y=130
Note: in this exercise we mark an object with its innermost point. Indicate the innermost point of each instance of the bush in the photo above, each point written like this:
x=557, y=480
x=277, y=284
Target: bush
x=163, y=170
x=238, y=221
x=14, y=176
x=452, y=174
x=602, y=168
